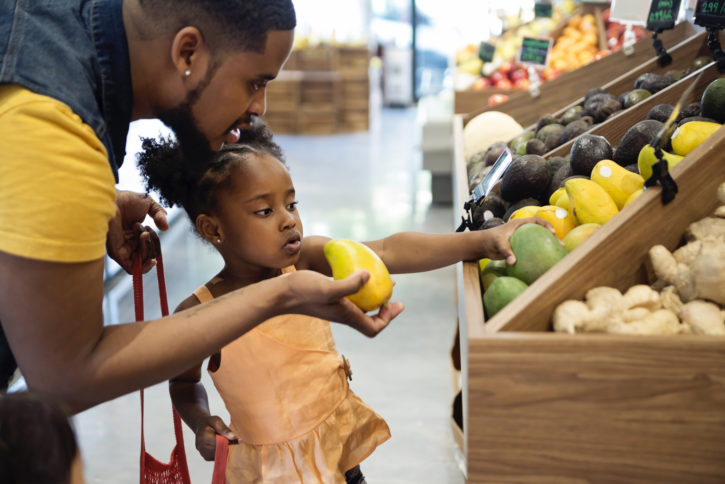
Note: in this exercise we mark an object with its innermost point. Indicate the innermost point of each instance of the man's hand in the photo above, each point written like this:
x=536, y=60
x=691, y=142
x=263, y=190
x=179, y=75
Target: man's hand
x=316, y=295
x=127, y=235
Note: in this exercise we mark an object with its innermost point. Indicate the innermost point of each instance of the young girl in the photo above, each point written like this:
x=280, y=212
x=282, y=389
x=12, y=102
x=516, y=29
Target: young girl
x=284, y=383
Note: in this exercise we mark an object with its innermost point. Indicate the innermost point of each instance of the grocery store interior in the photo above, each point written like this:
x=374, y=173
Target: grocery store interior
x=389, y=113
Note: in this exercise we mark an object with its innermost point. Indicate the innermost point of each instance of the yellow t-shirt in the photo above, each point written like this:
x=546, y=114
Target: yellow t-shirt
x=57, y=190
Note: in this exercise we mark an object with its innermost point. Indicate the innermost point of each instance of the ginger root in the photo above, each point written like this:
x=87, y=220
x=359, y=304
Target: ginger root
x=703, y=317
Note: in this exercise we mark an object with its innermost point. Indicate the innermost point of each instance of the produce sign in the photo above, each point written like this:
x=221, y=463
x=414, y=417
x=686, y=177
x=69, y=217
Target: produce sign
x=485, y=51
x=543, y=10
x=662, y=15
x=710, y=13
x=534, y=51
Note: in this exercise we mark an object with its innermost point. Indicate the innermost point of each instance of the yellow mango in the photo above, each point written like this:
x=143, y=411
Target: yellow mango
x=647, y=158
x=577, y=235
x=634, y=195
x=524, y=212
x=689, y=135
x=618, y=182
x=556, y=194
x=560, y=219
x=590, y=203
x=347, y=256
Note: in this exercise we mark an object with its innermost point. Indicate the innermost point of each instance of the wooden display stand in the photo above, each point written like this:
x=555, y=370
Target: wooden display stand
x=572, y=85
x=545, y=407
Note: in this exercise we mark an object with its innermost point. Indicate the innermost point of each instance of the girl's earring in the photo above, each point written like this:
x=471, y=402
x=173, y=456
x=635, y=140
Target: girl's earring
x=187, y=72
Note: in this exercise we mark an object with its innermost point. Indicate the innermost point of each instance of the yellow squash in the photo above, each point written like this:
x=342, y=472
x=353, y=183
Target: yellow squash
x=347, y=256
x=618, y=181
x=590, y=203
x=647, y=158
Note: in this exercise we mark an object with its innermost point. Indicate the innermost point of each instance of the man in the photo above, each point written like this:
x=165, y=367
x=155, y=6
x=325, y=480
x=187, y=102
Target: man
x=73, y=74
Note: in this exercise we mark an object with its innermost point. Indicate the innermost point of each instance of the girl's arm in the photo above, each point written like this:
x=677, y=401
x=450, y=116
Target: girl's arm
x=190, y=400
x=407, y=252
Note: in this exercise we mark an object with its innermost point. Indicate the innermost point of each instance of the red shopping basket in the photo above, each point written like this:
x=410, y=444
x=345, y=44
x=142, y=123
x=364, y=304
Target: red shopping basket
x=175, y=471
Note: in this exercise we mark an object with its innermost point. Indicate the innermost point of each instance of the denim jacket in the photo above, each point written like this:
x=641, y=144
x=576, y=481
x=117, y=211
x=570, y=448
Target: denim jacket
x=74, y=51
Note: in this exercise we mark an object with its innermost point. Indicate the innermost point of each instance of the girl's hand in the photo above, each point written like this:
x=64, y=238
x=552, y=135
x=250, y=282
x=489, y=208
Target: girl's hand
x=497, y=242
x=314, y=294
x=206, y=436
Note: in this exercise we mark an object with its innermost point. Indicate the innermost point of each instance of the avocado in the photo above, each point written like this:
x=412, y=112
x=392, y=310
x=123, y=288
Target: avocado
x=587, y=151
x=634, y=139
x=653, y=82
x=553, y=136
x=545, y=120
x=633, y=168
x=571, y=114
x=493, y=152
x=535, y=147
x=491, y=223
x=520, y=204
x=675, y=74
x=557, y=162
x=600, y=106
x=502, y=291
x=635, y=96
x=522, y=137
x=701, y=62
x=594, y=91
x=572, y=130
x=491, y=206
x=692, y=109
x=527, y=176
x=542, y=133
x=661, y=112
x=536, y=250
x=557, y=179
x=713, y=100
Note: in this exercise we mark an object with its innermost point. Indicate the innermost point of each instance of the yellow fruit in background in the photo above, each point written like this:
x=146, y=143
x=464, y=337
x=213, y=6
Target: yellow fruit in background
x=562, y=221
x=577, y=235
x=634, y=195
x=347, y=256
x=556, y=194
x=563, y=202
x=590, y=203
x=490, y=270
x=618, y=181
x=647, y=158
x=688, y=136
x=524, y=212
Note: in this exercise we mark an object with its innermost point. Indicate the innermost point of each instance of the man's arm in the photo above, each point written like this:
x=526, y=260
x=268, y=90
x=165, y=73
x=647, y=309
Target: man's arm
x=52, y=316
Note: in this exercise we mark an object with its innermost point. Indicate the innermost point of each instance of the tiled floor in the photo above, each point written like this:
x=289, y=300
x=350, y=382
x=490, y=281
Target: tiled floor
x=361, y=186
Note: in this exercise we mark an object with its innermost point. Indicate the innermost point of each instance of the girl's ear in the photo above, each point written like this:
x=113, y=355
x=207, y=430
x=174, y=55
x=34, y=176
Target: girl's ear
x=209, y=228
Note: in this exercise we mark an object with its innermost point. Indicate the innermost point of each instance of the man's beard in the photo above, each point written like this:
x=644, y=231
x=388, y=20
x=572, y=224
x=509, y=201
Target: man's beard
x=195, y=150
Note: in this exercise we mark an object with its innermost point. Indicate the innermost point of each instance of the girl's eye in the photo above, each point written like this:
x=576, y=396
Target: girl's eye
x=257, y=85
x=292, y=206
x=264, y=212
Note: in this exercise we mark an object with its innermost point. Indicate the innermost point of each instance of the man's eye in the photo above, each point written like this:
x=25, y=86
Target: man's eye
x=256, y=86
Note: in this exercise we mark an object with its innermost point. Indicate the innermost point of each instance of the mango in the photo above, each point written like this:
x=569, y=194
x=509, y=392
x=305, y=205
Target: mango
x=578, y=234
x=347, y=256
x=524, y=212
x=618, y=182
x=536, y=250
x=559, y=218
x=556, y=194
x=688, y=136
x=502, y=291
x=590, y=202
x=647, y=158
x=490, y=271
x=633, y=196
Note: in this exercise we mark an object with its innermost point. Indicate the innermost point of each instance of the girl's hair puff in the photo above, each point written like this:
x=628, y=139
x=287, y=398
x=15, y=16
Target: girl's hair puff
x=164, y=168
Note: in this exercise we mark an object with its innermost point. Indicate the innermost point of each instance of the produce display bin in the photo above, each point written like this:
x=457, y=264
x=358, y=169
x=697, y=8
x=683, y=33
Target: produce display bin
x=545, y=407
x=572, y=85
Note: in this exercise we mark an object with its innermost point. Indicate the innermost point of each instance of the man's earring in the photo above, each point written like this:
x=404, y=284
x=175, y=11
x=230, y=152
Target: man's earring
x=218, y=241
x=187, y=72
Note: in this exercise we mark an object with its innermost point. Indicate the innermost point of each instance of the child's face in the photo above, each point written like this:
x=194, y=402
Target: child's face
x=258, y=214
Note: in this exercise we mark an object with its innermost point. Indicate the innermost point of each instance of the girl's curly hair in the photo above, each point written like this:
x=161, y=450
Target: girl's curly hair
x=165, y=171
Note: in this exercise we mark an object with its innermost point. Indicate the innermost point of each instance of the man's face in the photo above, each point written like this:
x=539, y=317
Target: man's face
x=224, y=103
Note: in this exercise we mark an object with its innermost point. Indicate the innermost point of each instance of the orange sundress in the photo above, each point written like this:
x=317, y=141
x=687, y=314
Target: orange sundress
x=285, y=387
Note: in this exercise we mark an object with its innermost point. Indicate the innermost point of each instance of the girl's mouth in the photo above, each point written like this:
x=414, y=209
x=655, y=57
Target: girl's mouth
x=232, y=136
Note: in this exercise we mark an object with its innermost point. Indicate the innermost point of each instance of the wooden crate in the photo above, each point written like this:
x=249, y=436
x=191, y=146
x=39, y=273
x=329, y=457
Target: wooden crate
x=282, y=122
x=352, y=120
x=320, y=89
x=572, y=85
x=319, y=120
x=352, y=59
x=544, y=407
x=317, y=58
x=283, y=93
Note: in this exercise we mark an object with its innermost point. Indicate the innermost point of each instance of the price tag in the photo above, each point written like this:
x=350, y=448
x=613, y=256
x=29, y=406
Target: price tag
x=630, y=11
x=663, y=14
x=709, y=13
x=485, y=51
x=534, y=51
x=543, y=10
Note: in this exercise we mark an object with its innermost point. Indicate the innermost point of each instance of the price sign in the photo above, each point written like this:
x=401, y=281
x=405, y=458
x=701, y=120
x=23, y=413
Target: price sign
x=534, y=51
x=543, y=10
x=633, y=12
x=485, y=51
x=662, y=14
x=710, y=13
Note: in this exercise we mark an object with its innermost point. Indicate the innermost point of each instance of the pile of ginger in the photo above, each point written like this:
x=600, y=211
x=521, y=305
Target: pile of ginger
x=688, y=296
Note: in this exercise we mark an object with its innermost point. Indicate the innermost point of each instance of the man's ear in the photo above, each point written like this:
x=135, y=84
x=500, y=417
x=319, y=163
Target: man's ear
x=189, y=52
x=209, y=228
